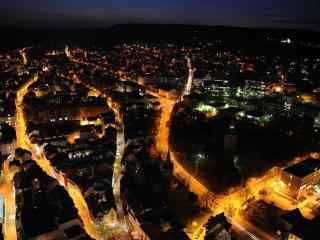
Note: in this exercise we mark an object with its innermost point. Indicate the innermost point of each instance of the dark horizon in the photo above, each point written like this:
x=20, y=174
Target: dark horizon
x=100, y=14
x=92, y=28
x=15, y=37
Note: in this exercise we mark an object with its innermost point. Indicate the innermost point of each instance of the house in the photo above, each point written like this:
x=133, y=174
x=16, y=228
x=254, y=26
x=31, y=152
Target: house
x=218, y=227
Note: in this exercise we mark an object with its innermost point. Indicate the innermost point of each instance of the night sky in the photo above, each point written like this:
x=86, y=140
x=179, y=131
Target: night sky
x=103, y=13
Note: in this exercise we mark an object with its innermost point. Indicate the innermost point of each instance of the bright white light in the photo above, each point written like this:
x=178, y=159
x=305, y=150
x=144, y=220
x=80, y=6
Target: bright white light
x=37, y=150
x=241, y=114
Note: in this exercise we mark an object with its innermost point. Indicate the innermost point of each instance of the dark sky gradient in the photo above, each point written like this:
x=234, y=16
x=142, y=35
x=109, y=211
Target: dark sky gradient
x=103, y=13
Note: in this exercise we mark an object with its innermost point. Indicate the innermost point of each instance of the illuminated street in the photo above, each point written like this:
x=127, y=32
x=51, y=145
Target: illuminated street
x=124, y=220
x=7, y=190
x=39, y=157
x=7, y=185
x=221, y=203
x=72, y=189
x=148, y=131
x=230, y=203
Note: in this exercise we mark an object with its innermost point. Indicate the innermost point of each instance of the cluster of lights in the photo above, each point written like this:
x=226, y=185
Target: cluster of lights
x=208, y=110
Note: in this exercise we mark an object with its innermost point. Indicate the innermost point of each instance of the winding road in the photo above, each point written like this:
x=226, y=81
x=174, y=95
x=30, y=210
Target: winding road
x=39, y=157
x=223, y=202
x=73, y=190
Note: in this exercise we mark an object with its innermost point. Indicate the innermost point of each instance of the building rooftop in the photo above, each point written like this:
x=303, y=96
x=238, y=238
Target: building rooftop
x=299, y=226
x=304, y=168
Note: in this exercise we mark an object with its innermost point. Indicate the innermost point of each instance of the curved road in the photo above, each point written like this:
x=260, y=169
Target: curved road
x=40, y=159
x=73, y=190
x=124, y=219
x=162, y=146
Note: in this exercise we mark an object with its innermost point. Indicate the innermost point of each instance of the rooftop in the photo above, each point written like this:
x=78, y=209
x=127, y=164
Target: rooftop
x=304, y=168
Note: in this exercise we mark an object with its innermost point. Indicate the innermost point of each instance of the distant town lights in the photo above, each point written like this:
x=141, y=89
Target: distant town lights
x=286, y=41
x=242, y=114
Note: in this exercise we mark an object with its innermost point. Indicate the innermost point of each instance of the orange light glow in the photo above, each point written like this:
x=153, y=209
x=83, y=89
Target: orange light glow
x=72, y=189
x=278, y=89
x=308, y=98
x=73, y=137
x=8, y=192
x=162, y=138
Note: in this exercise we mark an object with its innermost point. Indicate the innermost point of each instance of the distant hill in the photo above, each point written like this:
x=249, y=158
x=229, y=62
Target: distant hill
x=185, y=34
